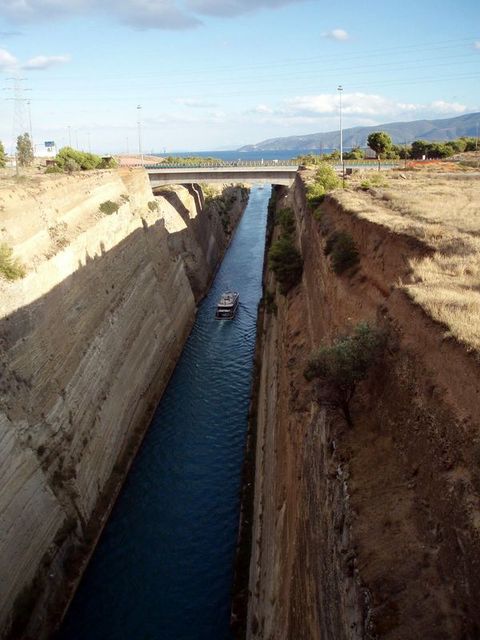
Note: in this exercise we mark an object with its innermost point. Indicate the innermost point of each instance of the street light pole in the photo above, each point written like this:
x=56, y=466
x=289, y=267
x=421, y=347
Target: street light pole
x=140, y=151
x=340, y=89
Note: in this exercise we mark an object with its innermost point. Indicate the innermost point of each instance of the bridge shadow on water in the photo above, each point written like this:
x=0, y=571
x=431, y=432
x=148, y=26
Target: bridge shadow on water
x=163, y=568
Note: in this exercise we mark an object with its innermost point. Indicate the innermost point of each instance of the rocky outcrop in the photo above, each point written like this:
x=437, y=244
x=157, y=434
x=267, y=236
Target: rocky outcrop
x=89, y=339
x=370, y=531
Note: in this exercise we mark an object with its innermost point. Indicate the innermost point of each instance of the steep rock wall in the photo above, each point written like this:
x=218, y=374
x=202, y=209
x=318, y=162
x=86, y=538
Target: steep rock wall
x=369, y=532
x=88, y=341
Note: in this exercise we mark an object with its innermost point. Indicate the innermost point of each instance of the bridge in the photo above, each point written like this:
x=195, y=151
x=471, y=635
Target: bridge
x=281, y=172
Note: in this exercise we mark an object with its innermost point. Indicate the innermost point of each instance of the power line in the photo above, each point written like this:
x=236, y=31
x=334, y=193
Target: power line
x=21, y=122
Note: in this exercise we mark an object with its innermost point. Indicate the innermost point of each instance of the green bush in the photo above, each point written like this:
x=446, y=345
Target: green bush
x=354, y=154
x=286, y=262
x=315, y=194
x=107, y=163
x=108, y=207
x=53, y=168
x=342, y=251
x=10, y=267
x=70, y=159
x=153, y=205
x=327, y=177
x=342, y=365
x=325, y=180
x=286, y=220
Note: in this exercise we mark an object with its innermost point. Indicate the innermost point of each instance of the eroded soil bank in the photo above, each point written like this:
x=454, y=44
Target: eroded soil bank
x=89, y=338
x=370, y=531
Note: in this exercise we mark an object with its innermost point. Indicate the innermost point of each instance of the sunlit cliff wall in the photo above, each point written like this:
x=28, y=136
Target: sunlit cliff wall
x=370, y=531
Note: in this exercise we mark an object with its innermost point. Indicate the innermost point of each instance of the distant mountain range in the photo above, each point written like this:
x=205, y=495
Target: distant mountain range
x=400, y=132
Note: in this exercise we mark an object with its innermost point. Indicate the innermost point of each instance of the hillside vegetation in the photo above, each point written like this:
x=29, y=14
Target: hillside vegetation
x=443, y=212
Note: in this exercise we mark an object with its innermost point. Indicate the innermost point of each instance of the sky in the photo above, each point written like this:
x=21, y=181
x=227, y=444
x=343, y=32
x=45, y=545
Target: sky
x=218, y=74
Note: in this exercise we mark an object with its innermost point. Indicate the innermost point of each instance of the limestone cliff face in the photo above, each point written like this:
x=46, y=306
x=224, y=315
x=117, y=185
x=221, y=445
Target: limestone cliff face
x=370, y=531
x=88, y=341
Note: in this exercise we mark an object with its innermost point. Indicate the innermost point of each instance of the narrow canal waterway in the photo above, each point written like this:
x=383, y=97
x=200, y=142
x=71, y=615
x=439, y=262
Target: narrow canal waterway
x=163, y=568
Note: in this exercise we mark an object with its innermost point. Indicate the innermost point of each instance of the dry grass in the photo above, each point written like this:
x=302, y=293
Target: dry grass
x=444, y=213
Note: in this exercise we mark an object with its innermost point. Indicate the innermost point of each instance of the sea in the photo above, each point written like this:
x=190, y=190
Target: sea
x=235, y=154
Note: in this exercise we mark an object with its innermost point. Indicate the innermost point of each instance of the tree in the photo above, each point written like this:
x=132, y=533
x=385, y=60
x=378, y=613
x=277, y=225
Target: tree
x=345, y=363
x=286, y=262
x=326, y=179
x=419, y=149
x=355, y=154
x=3, y=159
x=380, y=142
x=25, y=155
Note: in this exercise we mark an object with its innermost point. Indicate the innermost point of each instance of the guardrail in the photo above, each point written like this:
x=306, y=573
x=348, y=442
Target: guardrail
x=270, y=164
x=222, y=165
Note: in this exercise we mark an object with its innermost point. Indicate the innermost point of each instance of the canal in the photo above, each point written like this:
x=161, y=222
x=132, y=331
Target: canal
x=163, y=567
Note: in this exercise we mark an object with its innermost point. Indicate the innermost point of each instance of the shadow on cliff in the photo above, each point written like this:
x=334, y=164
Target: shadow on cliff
x=42, y=345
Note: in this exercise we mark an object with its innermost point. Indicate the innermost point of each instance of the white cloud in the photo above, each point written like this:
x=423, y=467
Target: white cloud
x=476, y=45
x=7, y=60
x=363, y=105
x=337, y=34
x=261, y=109
x=440, y=106
x=141, y=14
x=39, y=63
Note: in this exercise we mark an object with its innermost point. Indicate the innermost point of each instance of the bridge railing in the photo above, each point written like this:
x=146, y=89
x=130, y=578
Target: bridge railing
x=223, y=165
x=268, y=164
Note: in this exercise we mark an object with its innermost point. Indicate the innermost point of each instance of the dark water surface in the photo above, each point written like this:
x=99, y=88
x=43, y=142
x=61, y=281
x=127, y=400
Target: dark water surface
x=163, y=568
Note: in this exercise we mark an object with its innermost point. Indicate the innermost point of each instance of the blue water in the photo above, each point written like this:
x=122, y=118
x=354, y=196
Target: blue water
x=163, y=568
x=228, y=156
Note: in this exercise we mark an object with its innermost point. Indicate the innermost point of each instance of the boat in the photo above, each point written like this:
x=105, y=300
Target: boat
x=227, y=305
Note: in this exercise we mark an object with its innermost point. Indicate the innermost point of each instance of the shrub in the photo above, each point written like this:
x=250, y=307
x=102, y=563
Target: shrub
x=325, y=180
x=286, y=220
x=286, y=262
x=374, y=180
x=209, y=192
x=53, y=168
x=70, y=165
x=345, y=363
x=269, y=302
x=153, y=205
x=342, y=251
x=108, y=207
x=69, y=157
x=315, y=194
x=107, y=163
x=10, y=267
x=327, y=177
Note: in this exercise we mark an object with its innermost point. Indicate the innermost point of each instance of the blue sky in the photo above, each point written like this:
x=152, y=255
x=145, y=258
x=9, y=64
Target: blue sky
x=214, y=74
